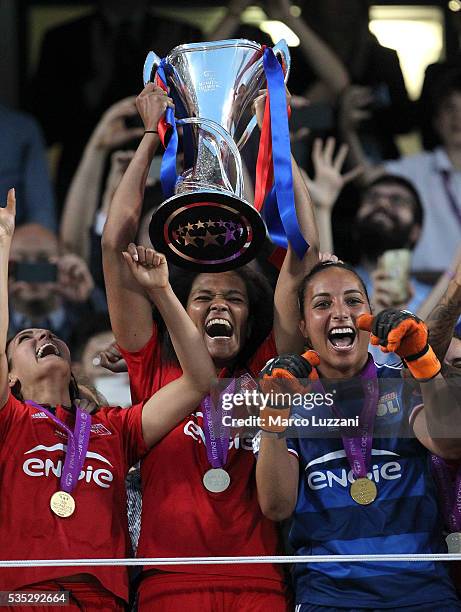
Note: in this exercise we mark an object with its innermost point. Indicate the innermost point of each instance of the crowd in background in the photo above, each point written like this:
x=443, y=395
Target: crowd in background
x=349, y=102
x=356, y=96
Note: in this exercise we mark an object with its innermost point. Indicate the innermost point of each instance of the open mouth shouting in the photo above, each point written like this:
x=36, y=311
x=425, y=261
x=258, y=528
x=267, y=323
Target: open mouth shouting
x=342, y=339
x=47, y=349
x=219, y=328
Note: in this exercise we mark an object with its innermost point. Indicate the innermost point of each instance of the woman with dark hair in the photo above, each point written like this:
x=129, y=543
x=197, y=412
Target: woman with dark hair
x=360, y=487
x=61, y=468
x=196, y=503
x=260, y=309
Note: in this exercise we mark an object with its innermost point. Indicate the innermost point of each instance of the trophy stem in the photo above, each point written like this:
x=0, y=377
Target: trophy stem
x=219, y=133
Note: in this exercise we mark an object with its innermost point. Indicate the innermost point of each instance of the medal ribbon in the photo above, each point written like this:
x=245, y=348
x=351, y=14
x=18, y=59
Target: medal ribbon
x=358, y=448
x=216, y=433
x=77, y=445
x=449, y=492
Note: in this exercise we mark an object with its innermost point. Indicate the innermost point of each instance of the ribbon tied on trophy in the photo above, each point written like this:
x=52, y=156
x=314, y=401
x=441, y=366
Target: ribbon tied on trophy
x=206, y=224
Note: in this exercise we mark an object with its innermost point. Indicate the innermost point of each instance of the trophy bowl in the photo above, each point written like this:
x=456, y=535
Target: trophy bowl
x=207, y=225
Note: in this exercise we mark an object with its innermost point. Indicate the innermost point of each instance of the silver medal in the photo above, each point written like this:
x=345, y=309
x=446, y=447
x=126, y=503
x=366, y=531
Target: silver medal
x=454, y=543
x=216, y=480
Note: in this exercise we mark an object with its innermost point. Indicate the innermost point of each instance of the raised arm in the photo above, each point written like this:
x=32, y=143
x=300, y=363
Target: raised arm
x=129, y=307
x=323, y=61
x=327, y=184
x=84, y=193
x=443, y=318
x=277, y=470
x=288, y=337
x=352, y=111
x=228, y=24
x=438, y=425
x=177, y=399
x=7, y=216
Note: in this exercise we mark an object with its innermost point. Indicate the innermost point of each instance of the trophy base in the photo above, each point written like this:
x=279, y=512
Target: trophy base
x=207, y=231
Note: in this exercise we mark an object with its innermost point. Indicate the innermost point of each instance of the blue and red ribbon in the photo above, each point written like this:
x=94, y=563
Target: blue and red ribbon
x=168, y=175
x=274, y=159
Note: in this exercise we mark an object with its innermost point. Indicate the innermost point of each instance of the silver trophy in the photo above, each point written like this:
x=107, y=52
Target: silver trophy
x=207, y=225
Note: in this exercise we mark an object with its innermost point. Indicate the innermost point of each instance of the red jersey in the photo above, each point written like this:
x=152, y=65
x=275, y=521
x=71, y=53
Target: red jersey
x=32, y=454
x=180, y=518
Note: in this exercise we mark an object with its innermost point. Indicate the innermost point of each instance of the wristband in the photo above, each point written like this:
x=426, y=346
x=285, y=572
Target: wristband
x=424, y=365
x=150, y=132
x=272, y=434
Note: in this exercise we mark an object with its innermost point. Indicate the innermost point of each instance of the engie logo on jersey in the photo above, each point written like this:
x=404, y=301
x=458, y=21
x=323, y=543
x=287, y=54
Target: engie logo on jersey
x=37, y=466
x=317, y=479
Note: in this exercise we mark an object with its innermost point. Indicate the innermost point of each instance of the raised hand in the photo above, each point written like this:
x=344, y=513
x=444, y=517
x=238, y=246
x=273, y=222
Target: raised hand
x=280, y=376
x=353, y=107
x=387, y=293
x=289, y=367
x=278, y=9
x=119, y=162
x=75, y=282
x=149, y=267
x=7, y=217
x=330, y=257
x=111, y=131
x=259, y=105
x=111, y=359
x=403, y=333
x=86, y=405
x=152, y=103
x=328, y=182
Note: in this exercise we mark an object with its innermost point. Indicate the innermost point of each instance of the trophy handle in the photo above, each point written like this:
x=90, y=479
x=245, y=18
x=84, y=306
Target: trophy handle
x=151, y=64
x=219, y=133
x=282, y=51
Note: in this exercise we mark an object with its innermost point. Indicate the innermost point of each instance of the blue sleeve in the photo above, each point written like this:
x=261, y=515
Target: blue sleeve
x=293, y=446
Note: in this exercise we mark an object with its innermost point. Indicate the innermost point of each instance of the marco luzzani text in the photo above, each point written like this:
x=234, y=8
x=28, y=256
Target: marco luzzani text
x=252, y=399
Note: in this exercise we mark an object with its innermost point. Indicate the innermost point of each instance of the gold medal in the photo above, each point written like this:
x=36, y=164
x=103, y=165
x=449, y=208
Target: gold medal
x=62, y=504
x=363, y=491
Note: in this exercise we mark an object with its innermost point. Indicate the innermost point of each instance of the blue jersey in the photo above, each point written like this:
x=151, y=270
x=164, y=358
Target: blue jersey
x=403, y=519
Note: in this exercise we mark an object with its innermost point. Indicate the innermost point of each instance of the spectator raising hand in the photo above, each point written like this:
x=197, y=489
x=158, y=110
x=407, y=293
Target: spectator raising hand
x=112, y=131
x=327, y=183
x=111, y=359
x=118, y=164
x=385, y=293
x=84, y=195
x=75, y=282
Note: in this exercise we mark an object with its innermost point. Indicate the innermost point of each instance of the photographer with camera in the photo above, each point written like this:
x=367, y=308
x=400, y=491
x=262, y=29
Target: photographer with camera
x=49, y=288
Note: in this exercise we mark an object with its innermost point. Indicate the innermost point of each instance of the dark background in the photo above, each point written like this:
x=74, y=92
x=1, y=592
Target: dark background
x=16, y=32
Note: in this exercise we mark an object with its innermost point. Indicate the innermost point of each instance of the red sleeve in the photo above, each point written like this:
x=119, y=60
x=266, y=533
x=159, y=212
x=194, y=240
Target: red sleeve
x=128, y=422
x=266, y=351
x=12, y=409
x=141, y=367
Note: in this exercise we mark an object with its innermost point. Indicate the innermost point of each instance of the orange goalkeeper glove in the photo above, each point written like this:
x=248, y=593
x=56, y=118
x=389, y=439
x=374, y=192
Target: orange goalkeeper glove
x=283, y=375
x=403, y=333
